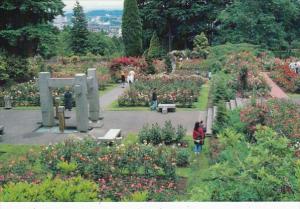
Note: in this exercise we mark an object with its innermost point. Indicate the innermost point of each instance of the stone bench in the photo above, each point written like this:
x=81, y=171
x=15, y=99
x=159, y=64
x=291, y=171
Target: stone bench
x=111, y=135
x=1, y=130
x=165, y=107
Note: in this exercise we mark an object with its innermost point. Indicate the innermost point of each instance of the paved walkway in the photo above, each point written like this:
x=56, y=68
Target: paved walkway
x=20, y=125
x=276, y=91
x=109, y=97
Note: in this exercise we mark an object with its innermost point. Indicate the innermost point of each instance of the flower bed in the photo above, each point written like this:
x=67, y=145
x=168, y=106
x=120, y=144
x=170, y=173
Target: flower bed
x=171, y=89
x=119, y=171
x=282, y=116
x=286, y=78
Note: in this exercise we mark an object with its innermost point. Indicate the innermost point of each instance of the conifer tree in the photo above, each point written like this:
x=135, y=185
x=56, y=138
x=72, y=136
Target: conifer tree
x=79, y=31
x=132, y=29
x=154, y=51
x=201, y=45
x=25, y=25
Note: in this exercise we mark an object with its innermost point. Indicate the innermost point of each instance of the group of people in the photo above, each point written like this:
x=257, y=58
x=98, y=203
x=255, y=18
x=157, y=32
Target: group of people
x=130, y=78
x=199, y=136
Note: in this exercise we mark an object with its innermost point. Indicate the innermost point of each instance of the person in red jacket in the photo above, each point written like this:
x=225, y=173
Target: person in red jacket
x=198, y=136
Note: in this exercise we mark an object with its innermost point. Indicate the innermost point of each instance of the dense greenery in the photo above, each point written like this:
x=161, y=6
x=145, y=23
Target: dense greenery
x=178, y=22
x=79, y=31
x=272, y=24
x=132, y=29
x=25, y=25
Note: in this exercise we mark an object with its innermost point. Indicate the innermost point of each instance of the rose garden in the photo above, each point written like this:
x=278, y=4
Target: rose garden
x=247, y=96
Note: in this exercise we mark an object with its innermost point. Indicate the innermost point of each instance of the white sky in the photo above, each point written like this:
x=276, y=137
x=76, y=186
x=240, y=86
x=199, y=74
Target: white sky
x=90, y=5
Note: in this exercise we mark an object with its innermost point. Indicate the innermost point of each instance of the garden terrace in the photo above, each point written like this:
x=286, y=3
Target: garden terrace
x=171, y=89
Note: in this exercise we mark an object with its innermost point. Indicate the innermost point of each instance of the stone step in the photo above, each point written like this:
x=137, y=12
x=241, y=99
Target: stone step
x=232, y=104
x=215, y=111
x=209, y=121
x=228, y=105
x=239, y=102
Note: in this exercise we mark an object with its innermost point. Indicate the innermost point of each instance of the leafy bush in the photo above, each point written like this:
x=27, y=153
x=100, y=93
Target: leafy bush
x=182, y=157
x=165, y=135
x=282, y=116
x=94, y=161
x=57, y=190
x=137, y=197
x=261, y=171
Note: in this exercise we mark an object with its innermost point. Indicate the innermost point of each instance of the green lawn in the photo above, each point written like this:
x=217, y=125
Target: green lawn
x=27, y=108
x=196, y=172
x=9, y=151
x=203, y=98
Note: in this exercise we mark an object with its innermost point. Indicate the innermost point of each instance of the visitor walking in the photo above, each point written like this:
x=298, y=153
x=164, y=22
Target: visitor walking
x=154, y=100
x=130, y=77
x=198, y=136
x=123, y=79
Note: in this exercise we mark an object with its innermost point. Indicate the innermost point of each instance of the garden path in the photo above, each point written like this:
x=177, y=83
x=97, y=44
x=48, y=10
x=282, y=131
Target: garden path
x=20, y=125
x=276, y=91
x=111, y=96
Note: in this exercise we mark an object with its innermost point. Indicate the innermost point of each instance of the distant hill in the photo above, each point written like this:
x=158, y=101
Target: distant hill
x=95, y=13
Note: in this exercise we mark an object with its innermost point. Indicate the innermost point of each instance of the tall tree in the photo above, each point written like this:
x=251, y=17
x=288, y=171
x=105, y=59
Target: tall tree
x=155, y=50
x=271, y=23
x=25, y=24
x=79, y=31
x=178, y=22
x=132, y=29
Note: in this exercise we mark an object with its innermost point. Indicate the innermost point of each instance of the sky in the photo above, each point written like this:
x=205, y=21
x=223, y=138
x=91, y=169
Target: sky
x=90, y=5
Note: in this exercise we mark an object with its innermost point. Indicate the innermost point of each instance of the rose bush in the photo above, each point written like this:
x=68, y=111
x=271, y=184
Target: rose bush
x=174, y=89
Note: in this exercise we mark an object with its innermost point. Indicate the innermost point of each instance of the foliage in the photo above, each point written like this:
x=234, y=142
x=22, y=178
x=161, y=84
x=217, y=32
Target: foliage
x=93, y=161
x=201, y=45
x=165, y=135
x=263, y=171
x=182, y=90
x=272, y=23
x=285, y=77
x=222, y=116
x=178, y=22
x=155, y=50
x=79, y=32
x=168, y=63
x=282, y=116
x=222, y=89
x=25, y=25
x=182, y=157
x=136, y=189
x=121, y=63
x=131, y=29
x=101, y=44
x=57, y=190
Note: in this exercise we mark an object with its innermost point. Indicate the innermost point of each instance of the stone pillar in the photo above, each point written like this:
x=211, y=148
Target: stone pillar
x=7, y=102
x=61, y=118
x=82, y=109
x=93, y=95
x=57, y=103
x=46, y=100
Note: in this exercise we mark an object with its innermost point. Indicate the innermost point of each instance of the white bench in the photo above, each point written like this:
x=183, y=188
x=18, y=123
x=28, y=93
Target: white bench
x=111, y=135
x=165, y=107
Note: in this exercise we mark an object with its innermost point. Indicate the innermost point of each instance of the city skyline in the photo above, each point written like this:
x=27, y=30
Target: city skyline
x=90, y=5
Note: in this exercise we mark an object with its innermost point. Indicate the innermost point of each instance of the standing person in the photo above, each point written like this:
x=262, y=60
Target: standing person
x=198, y=136
x=68, y=99
x=131, y=77
x=154, y=100
x=123, y=79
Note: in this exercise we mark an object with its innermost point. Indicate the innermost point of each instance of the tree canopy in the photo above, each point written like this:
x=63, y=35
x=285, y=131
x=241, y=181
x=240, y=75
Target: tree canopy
x=79, y=31
x=25, y=24
x=273, y=24
x=132, y=29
